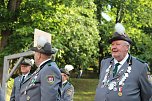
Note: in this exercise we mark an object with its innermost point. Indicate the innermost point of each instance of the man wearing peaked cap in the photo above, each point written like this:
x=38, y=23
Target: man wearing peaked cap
x=46, y=81
x=25, y=67
x=65, y=71
x=120, y=35
x=122, y=77
x=27, y=62
x=46, y=49
x=67, y=91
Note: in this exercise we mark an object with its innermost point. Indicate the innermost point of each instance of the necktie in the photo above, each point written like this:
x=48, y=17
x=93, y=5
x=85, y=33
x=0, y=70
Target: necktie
x=115, y=69
x=63, y=85
x=22, y=79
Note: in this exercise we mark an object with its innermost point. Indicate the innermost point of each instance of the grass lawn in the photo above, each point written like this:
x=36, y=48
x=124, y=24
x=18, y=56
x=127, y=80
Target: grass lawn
x=84, y=89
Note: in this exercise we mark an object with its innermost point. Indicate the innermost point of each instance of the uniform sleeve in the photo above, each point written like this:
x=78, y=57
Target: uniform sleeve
x=145, y=85
x=50, y=82
x=68, y=94
x=12, y=97
x=100, y=68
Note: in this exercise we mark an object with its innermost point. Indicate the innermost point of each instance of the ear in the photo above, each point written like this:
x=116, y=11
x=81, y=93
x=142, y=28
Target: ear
x=127, y=47
x=39, y=56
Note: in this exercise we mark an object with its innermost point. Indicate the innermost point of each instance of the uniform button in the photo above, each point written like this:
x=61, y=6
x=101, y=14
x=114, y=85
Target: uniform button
x=28, y=98
x=108, y=92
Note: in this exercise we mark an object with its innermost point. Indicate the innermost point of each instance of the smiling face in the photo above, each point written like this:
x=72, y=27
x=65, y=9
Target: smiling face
x=25, y=69
x=119, y=49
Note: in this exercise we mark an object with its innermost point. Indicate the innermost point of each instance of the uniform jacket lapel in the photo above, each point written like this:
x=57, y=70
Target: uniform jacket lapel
x=19, y=78
x=111, y=72
x=122, y=70
x=64, y=87
x=27, y=78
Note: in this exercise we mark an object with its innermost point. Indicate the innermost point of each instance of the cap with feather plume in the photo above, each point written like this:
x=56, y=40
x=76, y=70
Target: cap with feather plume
x=67, y=69
x=41, y=42
x=43, y=46
x=120, y=34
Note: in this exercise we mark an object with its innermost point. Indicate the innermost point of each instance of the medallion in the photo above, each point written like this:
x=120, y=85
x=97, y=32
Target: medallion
x=28, y=98
x=126, y=75
x=102, y=86
x=111, y=86
x=119, y=93
x=115, y=89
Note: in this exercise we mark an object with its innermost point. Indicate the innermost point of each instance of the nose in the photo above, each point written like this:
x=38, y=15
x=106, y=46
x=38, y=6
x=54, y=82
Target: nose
x=113, y=46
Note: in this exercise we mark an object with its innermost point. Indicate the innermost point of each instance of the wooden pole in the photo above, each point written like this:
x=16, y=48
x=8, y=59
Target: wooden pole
x=6, y=74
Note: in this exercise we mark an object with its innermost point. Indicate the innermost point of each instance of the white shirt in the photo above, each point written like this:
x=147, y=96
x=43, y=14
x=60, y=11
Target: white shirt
x=24, y=75
x=121, y=62
x=64, y=81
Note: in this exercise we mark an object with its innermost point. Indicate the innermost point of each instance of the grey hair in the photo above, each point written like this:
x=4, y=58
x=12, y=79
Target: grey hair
x=128, y=44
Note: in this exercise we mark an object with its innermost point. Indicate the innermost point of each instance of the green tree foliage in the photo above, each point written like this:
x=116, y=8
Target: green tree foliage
x=73, y=29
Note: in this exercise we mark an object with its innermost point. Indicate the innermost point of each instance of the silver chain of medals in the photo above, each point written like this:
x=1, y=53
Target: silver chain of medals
x=120, y=81
x=105, y=81
x=33, y=79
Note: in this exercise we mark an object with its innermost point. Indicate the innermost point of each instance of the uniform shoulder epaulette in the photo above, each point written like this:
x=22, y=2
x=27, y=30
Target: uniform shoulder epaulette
x=142, y=61
x=49, y=64
x=69, y=83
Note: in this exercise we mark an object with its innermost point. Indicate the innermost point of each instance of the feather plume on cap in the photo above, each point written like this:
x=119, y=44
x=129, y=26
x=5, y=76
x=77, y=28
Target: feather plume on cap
x=120, y=34
x=32, y=61
x=68, y=67
x=41, y=41
x=119, y=28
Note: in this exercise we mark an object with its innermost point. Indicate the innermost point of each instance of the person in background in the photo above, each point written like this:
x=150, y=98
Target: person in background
x=81, y=71
x=123, y=77
x=46, y=81
x=25, y=68
x=67, y=91
x=149, y=78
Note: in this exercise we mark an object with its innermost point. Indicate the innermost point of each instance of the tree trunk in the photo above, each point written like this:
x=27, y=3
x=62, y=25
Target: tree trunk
x=99, y=4
x=4, y=38
x=13, y=7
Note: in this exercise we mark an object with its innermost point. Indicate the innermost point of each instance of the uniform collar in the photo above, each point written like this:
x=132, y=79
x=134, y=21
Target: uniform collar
x=64, y=82
x=25, y=75
x=123, y=61
x=44, y=62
